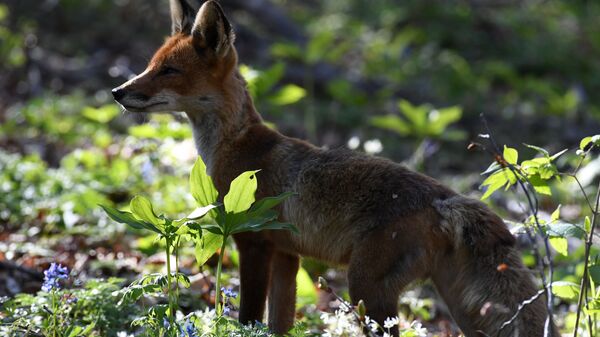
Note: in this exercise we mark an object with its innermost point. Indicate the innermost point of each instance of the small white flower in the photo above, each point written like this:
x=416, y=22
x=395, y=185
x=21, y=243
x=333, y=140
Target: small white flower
x=353, y=143
x=391, y=322
x=123, y=334
x=373, y=146
x=419, y=329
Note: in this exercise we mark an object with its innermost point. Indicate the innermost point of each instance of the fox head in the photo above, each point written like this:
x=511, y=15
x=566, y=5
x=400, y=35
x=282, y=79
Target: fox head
x=195, y=70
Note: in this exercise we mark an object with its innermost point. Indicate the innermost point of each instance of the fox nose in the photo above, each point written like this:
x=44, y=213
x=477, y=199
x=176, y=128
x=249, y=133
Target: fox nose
x=118, y=93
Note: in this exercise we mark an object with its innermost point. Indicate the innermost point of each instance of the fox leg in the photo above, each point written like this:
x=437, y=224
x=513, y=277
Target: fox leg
x=255, y=270
x=381, y=266
x=282, y=292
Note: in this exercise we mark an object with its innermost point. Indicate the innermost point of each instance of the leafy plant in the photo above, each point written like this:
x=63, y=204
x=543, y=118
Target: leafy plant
x=237, y=213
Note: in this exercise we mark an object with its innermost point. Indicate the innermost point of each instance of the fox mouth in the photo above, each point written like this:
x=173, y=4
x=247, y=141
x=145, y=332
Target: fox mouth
x=142, y=108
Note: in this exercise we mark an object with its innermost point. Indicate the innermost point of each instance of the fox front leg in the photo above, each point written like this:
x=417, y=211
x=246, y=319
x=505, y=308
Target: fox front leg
x=282, y=292
x=255, y=270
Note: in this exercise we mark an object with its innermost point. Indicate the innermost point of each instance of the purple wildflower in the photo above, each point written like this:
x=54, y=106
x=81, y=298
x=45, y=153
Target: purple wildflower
x=190, y=330
x=52, y=276
x=226, y=310
x=228, y=292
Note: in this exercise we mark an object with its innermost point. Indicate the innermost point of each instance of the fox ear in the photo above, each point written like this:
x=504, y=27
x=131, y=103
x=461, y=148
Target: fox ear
x=182, y=17
x=212, y=29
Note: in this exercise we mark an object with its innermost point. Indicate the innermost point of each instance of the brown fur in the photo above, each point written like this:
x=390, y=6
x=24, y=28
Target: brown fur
x=389, y=225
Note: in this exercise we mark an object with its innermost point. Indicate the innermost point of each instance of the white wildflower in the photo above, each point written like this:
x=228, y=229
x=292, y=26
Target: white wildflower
x=419, y=329
x=373, y=146
x=391, y=322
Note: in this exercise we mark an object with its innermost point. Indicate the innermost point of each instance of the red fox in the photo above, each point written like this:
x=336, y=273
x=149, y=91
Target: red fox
x=387, y=224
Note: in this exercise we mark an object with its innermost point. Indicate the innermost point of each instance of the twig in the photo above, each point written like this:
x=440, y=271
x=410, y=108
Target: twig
x=521, y=306
x=588, y=245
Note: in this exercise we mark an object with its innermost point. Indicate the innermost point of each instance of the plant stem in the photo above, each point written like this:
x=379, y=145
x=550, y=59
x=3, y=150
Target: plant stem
x=218, y=306
x=586, y=261
x=54, y=313
x=169, y=281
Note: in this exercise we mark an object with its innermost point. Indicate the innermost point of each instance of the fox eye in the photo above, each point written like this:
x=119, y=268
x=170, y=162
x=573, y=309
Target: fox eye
x=166, y=70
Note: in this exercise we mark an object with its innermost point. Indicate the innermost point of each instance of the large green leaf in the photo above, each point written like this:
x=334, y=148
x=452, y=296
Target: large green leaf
x=201, y=185
x=241, y=193
x=128, y=219
x=266, y=226
x=206, y=246
x=267, y=203
x=142, y=209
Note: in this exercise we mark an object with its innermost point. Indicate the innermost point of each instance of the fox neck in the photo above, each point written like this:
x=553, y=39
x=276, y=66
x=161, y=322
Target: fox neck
x=224, y=121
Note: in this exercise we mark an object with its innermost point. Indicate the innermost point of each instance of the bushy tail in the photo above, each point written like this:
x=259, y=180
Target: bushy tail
x=484, y=281
x=470, y=223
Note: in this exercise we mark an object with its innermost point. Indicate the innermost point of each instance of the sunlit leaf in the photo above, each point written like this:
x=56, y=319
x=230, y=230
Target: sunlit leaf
x=128, y=219
x=559, y=244
x=102, y=114
x=207, y=246
x=201, y=185
x=565, y=290
x=494, y=182
x=241, y=193
x=306, y=291
x=556, y=214
x=142, y=209
x=289, y=94
x=510, y=155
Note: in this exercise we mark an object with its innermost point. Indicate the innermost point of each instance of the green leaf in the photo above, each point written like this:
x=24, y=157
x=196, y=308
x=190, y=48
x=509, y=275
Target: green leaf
x=565, y=230
x=541, y=186
x=241, y=193
x=594, y=272
x=587, y=224
x=593, y=307
x=267, y=226
x=207, y=246
x=128, y=219
x=538, y=149
x=200, y=212
x=510, y=155
x=565, y=290
x=201, y=185
x=306, y=291
x=584, y=142
x=439, y=119
x=494, y=182
x=267, y=203
x=289, y=94
x=560, y=244
x=73, y=331
x=391, y=122
x=102, y=114
x=142, y=209
x=556, y=214
x=558, y=154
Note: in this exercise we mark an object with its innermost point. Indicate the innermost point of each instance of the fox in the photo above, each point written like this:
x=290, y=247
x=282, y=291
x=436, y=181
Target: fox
x=388, y=225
